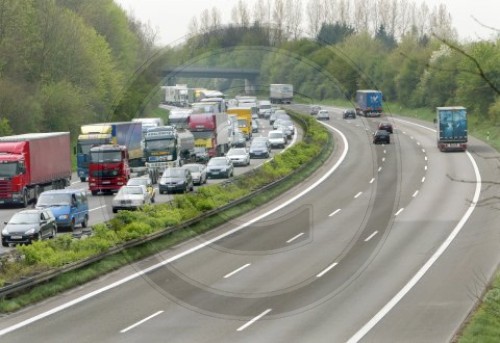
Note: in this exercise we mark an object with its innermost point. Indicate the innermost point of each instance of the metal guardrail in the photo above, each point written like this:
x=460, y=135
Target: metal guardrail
x=30, y=282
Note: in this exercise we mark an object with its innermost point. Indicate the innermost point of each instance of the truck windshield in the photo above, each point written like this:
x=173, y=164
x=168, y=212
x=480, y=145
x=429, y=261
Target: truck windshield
x=9, y=169
x=160, y=144
x=105, y=156
x=83, y=146
x=242, y=123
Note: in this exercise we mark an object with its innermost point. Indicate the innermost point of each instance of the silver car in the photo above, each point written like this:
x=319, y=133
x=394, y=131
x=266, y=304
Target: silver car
x=198, y=172
x=130, y=198
x=239, y=156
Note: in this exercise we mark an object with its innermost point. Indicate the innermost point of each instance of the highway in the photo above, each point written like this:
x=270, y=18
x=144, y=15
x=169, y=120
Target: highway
x=386, y=243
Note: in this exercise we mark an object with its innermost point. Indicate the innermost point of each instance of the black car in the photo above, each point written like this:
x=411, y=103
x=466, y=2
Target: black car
x=176, y=179
x=385, y=126
x=381, y=136
x=28, y=226
x=349, y=113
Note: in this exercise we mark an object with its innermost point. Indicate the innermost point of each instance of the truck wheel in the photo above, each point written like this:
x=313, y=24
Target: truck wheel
x=94, y=192
x=25, y=198
x=83, y=179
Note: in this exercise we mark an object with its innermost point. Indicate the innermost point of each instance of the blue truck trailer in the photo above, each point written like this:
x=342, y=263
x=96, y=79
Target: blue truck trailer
x=452, y=128
x=369, y=103
x=128, y=134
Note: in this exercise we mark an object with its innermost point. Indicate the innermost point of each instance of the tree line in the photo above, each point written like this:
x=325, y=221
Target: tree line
x=66, y=62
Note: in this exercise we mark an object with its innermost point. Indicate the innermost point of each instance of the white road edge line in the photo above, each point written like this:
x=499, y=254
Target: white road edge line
x=357, y=195
x=327, y=269
x=371, y=236
x=295, y=237
x=421, y=272
x=243, y=327
x=334, y=212
x=93, y=209
x=237, y=270
x=186, y=252
x=141, y=322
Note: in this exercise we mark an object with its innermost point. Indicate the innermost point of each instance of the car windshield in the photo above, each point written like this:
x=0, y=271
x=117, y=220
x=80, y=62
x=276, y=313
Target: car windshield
x=258, y=144
x=192, y=168
x=217, y=162
x=131, y=190
x=275, y=135
x=173, y=172
x=54, y=199
x=137, y=182
x=234, y=152
x=25, y=218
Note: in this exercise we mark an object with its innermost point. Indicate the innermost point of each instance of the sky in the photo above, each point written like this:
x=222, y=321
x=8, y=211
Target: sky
x=170, y=18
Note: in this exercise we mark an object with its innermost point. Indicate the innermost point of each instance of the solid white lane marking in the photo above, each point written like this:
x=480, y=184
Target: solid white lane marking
x=334, y=212
x=188, y=251
x=327, y=269
x=295, y=237
x=243, y=327
x=415, y=194
x=371, y=236
x=423, y=179
x=357, y=195
x=373, y=179
x=421, y=272
x=141, y=322
x=97, y=208
x=399, y=211
x=236, y=271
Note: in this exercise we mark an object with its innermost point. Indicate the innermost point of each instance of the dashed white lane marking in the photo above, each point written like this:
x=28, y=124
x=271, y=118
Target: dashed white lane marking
x=327, y=269
x=334, y=212
x=236, y=271
x=141, y=322
x=243, y=327
x=295, y=237
x=357, y=195
x=371, y=236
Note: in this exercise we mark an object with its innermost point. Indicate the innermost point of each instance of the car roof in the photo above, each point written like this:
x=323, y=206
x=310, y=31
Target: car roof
x=33, y=210
x=65, y=191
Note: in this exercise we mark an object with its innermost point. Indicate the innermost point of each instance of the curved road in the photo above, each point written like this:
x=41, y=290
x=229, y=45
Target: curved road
x=332, y=263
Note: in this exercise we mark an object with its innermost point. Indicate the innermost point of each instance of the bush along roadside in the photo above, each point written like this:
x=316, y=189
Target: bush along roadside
x=177, y=219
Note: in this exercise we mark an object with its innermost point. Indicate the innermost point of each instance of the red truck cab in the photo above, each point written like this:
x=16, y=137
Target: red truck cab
x=108, y=168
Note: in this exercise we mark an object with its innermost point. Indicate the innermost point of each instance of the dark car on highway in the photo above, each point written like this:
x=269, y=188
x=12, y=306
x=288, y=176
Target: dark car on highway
x=220, y=167
x=385, y=126
x=349, y=113
x=28, y=226
x=381, y=136
x=176, y=179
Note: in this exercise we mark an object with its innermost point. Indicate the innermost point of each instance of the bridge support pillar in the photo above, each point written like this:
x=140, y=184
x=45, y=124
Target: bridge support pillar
x=249, y=86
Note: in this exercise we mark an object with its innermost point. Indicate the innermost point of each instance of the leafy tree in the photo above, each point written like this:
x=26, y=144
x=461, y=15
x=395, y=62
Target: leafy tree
x=5, y=129
x=334, y=33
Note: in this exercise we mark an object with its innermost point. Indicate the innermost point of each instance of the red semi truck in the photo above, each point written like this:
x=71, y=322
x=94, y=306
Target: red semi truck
x=211, y=132
x=109, y=169
x=31, y=163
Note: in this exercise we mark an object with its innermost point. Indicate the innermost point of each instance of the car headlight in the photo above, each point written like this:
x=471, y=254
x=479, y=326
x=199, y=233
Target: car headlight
x=63, y=217
x=180, y=182
x=30, y=231
x=5, y=232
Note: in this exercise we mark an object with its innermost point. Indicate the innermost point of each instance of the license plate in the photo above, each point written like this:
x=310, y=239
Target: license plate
x=106, y=182
x=16, y=237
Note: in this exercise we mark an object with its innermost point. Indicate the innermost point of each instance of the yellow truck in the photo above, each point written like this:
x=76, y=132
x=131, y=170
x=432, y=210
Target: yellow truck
x=244, y=118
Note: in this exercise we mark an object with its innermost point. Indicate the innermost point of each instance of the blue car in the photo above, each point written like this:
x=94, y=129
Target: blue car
x=69, y=206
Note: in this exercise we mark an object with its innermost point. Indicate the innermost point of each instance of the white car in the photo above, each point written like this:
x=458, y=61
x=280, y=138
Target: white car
x=198, y=172
x=277, y=138
x=131, y=198
x=323, y=115
x=239, y=156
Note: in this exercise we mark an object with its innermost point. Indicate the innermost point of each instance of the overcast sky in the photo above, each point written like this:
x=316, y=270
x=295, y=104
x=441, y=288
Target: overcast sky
x=170, y=18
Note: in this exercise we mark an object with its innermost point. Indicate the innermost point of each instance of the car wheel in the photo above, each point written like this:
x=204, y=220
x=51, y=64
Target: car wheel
x=53, y=233
x=5, y=244
x=115, y=210
x=153, y=200
x=82, y=179
x=191, y=188
x=161, y=192
x=72, y=226
x=85, y=222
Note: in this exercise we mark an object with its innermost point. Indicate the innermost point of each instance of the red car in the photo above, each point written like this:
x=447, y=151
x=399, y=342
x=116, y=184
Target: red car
x=385, y=126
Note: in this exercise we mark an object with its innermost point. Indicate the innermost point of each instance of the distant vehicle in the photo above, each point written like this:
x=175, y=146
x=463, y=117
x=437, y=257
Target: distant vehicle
x=259, y=149
x=262, y=139
x=264, y=108
x=198, y=172
x=130, y=198
x=323, y=115
x=272, y=118
x=277, y=138
x=177, y=179
x=220, y=167
x=385, y=126
x=381, y=136
x=238, y=139
x=70, y=207
x=286, y=126
x=349, y=113
x=179, y=118
x=144, y=181
x=239, y=156
x=314, y=110
x=148, y=123
x=178, y=95
x=108, y=168
x=369, y=102
x=210, y=131
x=31, y=163
x=28, y=226
x=244, y=119
x=201, y=154
x=128, y=134
x=255, y=126
x=280, y=93
x=452, y=128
